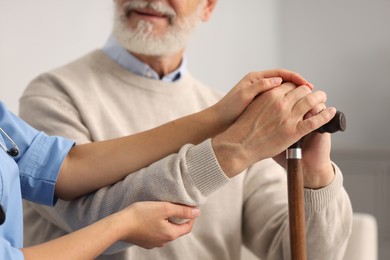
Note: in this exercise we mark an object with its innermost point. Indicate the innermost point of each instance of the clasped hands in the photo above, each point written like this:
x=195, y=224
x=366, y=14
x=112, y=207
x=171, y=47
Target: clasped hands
x=265, y=113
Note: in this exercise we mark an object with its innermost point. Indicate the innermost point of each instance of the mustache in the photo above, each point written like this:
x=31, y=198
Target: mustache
x=155, y=6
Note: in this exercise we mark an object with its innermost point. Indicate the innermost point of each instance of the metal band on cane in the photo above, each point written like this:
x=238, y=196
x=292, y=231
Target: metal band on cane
x=294, y=153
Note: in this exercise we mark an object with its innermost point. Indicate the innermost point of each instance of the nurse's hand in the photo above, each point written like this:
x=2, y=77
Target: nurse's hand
x=233, y=104
x=146, y=224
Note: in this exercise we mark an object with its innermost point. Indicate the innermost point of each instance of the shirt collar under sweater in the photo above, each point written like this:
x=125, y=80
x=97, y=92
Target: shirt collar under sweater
x=104, y=64
x=119, y=54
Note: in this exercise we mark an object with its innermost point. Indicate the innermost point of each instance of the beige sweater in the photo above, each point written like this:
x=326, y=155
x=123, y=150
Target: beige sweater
x=94, y=99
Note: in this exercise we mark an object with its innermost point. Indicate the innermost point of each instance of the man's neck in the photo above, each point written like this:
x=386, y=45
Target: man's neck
x=162, y=64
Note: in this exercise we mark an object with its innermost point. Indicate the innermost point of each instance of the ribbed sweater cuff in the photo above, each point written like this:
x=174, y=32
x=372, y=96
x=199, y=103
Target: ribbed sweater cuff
x=318, y=200
x=205, y=169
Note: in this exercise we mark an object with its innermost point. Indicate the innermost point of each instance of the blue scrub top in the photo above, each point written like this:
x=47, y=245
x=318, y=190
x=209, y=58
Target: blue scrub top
x=31, y=175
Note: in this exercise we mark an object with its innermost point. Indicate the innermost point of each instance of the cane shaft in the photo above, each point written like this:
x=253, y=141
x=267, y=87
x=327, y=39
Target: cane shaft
x=296, y=210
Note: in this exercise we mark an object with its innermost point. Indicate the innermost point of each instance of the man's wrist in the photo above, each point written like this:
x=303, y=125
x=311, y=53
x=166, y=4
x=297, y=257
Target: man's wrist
x=318, y=180
x=229, y=154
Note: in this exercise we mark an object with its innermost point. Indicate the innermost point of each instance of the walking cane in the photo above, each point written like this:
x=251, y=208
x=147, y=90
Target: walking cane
x=295, y=187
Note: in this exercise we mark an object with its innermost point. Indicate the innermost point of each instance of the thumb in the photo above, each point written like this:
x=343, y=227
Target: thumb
x=183, y=212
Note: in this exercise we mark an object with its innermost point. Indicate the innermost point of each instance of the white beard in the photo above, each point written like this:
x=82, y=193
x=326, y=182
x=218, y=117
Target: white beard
x=142, y=40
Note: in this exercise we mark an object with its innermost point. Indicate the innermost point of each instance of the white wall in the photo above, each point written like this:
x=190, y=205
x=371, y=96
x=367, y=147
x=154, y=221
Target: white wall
x=36, y=37
x=344, y=48
x=238, y=39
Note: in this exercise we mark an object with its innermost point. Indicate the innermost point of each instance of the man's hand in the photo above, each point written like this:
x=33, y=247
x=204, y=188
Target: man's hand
x=270, y=124
x=317, y=167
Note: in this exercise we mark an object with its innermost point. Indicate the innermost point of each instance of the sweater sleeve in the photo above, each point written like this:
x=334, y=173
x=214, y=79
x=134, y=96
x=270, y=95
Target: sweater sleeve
x=328, y=215
x=187, y=177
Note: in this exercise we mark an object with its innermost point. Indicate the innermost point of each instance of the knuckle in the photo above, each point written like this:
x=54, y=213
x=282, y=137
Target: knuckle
x=242, y=92
x=251, y=76
x=264, y=82
x=328, y=116
x=324, y=96
x=290, y=85
x=280, y=105
x=185, y=212
x=306, y=89
x=305, y=127
x=271, y=94
x=321, y=95
x=311, y=100
x=311, y=125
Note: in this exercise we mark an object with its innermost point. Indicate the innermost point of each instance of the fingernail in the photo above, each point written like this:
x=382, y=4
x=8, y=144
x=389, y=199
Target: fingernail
x=276, y=81
x=333, y=110
x=195, y=212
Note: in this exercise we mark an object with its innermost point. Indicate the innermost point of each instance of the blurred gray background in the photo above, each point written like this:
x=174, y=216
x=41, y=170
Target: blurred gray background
x=342, y=47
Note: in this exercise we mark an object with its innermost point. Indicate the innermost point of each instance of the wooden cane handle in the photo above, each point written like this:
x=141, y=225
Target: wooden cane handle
x=338, y=123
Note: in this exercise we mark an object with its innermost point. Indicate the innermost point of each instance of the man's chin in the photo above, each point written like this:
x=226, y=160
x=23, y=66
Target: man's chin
x=151, y=45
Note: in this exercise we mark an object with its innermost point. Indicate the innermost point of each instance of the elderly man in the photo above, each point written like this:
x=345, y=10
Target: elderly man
x=137, y=81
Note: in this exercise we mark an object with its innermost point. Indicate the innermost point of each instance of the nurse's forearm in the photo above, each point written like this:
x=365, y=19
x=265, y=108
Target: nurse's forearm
x=144, y=224
x=91, y=166
x=87, y=243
